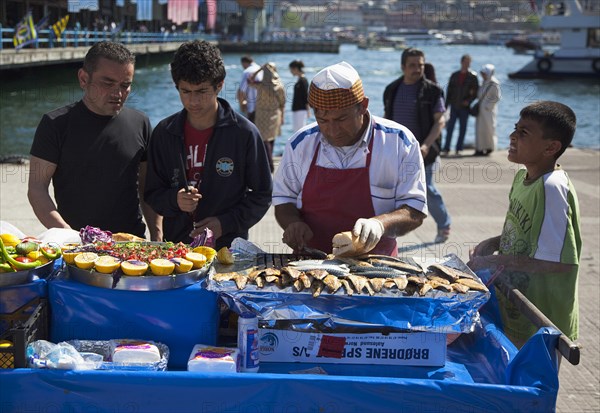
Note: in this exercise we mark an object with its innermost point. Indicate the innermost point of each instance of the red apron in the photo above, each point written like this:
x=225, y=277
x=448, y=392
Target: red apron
x=333, y=199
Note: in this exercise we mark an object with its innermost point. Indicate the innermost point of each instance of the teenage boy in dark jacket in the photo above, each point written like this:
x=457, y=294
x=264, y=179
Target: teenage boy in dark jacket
x=226, y=185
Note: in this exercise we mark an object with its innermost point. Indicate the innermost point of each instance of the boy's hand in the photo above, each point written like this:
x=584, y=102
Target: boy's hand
x=486, y=247
x=187, y=201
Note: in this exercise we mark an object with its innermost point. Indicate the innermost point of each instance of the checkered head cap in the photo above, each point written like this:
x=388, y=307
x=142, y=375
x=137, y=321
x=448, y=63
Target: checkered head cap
x=336, y=87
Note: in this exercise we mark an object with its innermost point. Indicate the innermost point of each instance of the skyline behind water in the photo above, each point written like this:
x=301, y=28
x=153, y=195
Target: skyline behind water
x=23, y=101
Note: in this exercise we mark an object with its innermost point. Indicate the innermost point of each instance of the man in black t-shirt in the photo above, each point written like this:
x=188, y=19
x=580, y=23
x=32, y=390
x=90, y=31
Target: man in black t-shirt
x=94, y=152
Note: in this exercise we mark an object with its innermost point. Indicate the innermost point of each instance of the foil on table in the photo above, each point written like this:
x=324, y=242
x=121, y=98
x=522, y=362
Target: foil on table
x=392, y=310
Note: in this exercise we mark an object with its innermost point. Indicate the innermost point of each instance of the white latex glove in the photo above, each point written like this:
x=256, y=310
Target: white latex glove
x=369, y=232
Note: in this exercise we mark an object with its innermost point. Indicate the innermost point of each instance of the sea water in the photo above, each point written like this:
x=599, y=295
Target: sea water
x=24, y=100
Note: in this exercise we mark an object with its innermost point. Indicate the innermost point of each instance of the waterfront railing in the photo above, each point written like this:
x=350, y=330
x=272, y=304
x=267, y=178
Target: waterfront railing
x=74, y=38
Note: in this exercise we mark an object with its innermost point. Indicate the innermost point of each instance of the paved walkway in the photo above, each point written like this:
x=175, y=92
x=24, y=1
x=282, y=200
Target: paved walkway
x=476, y=194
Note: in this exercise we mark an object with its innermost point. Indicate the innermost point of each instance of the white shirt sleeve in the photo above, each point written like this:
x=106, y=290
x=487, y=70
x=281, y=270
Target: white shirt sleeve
x=556, y=220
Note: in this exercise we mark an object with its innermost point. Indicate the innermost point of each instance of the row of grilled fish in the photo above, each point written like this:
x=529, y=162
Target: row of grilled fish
x=357, y=277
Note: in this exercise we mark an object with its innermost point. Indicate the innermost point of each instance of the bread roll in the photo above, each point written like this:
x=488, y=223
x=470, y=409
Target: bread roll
x=345, y=244
x=122, y=236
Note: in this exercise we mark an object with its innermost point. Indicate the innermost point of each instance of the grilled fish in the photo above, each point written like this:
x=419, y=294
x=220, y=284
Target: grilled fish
x=451, y=274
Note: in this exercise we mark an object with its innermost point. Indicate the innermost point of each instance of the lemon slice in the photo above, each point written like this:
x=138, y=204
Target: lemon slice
x=134, y=267
x=86, y=260
x=69, y=257
x=208, y=252
x=225, y=256
x=182, y=265
x=161, y=266
x=10, y=240
x=107, y=264
x=198, y=259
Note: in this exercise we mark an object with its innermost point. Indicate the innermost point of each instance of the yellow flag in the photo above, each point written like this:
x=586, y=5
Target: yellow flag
x=25, y=32
x=60, y=26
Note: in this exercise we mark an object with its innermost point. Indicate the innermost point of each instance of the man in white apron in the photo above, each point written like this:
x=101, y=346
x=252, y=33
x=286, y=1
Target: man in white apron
x=348, y=171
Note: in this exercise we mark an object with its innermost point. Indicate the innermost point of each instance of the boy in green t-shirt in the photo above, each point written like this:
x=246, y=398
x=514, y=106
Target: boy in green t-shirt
x=540, y=244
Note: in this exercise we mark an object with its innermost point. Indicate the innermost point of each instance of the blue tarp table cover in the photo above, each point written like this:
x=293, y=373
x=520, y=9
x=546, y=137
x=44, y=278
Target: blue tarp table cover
x=16, y=296
x=179, y=318
x=484, y=372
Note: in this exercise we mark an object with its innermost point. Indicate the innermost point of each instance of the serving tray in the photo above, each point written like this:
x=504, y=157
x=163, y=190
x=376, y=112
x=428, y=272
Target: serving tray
x=8, y=279
x=119, y=281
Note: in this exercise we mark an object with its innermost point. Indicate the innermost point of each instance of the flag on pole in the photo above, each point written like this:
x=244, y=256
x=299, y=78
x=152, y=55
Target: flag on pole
x=60, y=26
x=182, y=11
x=25, y=32
x=211, y=14
x=144, y=10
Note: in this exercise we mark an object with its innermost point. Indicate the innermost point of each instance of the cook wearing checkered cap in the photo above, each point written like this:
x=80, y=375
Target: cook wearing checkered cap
x=348, y=171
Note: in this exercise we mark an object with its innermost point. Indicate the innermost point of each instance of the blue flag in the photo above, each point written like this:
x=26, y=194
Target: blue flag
x=25, y=32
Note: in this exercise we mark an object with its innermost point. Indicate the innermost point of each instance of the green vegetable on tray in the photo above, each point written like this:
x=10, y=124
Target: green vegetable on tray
x=15, y=263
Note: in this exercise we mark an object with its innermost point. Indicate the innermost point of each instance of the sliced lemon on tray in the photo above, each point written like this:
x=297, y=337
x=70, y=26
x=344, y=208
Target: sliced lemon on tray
x=196, y=258
x=86, y=260
x=182, y=265
x=69, y=257
x=208, y=252
x=134, y=267
x=107, y=264
x=161, y=266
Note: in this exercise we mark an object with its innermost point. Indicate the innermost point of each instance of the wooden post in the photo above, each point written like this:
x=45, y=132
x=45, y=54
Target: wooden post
x=568, y=349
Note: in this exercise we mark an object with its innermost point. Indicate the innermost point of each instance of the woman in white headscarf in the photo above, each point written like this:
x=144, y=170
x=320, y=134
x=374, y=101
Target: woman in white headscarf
x=488, y=96
x=270, y=103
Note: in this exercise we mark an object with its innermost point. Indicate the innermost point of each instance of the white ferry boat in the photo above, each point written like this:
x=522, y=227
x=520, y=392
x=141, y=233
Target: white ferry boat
x=579, y=51
x=416, y=36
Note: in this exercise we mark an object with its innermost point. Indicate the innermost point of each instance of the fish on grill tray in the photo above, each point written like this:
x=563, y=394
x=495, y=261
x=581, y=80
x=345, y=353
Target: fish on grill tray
x=374, y=275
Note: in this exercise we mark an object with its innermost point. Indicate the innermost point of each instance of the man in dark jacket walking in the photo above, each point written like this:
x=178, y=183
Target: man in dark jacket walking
x=418, y=104
x=462, y=91
x=207, y=165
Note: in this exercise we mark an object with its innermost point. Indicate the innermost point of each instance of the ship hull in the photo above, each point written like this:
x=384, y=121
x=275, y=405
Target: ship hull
x=556, y=68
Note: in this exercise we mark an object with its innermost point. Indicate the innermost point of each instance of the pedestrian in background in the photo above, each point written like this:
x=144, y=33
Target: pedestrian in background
x=417, y=102
x=462, y=91
x=485, y=122
x=270, y=105
x=300, y=107
x=246, y=95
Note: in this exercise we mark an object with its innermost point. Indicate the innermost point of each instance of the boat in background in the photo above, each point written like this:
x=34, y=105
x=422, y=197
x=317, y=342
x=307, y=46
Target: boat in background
x=380, y=42
x=579, y=53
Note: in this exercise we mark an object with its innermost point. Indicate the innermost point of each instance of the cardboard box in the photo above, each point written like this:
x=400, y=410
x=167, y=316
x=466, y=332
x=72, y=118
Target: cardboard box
x=408, y=349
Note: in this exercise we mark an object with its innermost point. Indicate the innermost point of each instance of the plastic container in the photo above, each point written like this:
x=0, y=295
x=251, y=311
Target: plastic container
x=29, y=323
x=214, y=359
x=248, y=342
